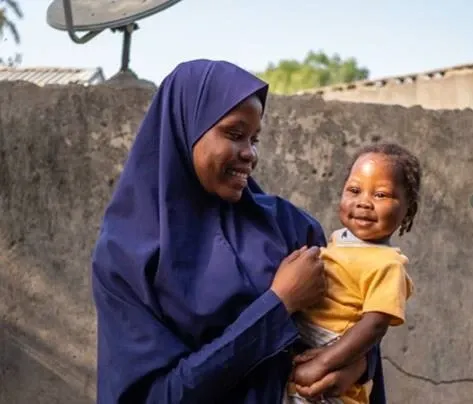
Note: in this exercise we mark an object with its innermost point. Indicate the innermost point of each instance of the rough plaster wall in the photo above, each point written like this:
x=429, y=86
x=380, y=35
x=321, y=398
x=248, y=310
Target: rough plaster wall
x=61, y=150
x=304, y=151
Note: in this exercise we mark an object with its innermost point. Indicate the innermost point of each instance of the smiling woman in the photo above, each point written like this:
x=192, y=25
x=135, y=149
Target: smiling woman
x=197, y=272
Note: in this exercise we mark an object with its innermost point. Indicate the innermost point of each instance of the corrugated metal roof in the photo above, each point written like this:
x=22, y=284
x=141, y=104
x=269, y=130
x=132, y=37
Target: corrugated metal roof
x=52, y=75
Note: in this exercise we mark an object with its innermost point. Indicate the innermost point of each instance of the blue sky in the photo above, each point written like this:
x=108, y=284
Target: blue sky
x=388, y=37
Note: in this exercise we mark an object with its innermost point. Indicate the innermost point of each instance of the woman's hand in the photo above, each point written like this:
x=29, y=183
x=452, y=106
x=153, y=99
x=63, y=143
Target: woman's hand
x=308, y=367
x=311, y=386
x=300, y=279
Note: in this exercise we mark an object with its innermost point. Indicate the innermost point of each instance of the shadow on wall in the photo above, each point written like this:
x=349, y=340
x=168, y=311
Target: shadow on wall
x=31, y=373
x=60, y=156
x=61, y=150
x=34, y=367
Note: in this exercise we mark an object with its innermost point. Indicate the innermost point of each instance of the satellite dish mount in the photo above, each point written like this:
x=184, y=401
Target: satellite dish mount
x=127, y=32
x=95, y=16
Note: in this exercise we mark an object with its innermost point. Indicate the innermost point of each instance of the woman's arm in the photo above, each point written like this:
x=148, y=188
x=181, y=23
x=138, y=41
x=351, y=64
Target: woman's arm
x=140, y=360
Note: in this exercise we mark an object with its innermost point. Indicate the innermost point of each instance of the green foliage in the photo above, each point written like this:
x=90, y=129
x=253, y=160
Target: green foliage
x=316, y=70
x=7, y=26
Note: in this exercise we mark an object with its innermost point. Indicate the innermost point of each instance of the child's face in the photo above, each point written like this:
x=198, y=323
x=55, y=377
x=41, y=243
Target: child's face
x=373, y=202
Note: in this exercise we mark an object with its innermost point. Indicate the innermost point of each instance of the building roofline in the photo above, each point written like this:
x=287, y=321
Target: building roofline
x=382, y=81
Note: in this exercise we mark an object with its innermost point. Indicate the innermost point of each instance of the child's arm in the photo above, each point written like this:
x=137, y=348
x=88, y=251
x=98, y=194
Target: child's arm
x=385, y=289
x=353, y=345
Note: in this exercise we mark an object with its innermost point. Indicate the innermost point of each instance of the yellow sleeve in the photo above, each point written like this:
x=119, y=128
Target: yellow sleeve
x=386, y=290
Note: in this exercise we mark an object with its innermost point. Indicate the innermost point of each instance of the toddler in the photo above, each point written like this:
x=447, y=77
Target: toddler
x=367, y=282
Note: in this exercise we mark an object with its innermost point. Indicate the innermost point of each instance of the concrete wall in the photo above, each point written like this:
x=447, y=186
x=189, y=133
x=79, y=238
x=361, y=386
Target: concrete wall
x=450, y=89
x=61, y=150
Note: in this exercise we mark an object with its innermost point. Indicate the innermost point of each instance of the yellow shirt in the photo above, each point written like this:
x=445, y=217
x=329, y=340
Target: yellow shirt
x=361, y=277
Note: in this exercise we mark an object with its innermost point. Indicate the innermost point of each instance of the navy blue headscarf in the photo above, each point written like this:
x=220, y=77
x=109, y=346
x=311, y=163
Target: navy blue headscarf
x=188, y=258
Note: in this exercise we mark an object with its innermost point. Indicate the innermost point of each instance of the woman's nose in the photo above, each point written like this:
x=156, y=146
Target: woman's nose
x=248, y=152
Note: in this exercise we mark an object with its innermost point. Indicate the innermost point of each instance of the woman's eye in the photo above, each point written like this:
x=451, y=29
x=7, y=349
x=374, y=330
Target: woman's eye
x=254, y=140
x=235, y=135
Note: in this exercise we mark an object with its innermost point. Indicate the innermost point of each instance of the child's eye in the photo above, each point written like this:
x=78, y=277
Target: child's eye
x=382, y=195
x=353, y=190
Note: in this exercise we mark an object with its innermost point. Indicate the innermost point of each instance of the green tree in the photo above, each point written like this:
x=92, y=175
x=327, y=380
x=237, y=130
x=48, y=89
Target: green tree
x=316, y=70
x=8, y=26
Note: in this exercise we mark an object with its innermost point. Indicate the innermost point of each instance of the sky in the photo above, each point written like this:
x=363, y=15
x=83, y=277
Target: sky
x=388, y=37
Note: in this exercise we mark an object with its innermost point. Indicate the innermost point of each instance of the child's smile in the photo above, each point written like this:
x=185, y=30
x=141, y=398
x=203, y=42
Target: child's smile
x=373, y=203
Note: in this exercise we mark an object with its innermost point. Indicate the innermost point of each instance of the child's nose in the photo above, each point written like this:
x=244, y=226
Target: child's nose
x=364, y=203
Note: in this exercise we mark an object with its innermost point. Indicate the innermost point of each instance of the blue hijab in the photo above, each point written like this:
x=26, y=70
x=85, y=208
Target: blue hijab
x=189, y=256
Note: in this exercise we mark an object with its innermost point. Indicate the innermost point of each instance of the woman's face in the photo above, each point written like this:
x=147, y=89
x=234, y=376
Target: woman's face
x=225, y=156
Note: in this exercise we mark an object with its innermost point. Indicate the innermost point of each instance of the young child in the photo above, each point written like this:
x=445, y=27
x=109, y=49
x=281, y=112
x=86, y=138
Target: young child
x=367, y=283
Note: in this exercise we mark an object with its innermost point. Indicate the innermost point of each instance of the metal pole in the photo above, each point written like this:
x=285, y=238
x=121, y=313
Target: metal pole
x=127, y=31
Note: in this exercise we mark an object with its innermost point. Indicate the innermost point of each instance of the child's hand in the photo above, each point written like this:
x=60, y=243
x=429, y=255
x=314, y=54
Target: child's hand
x=333, y=384
x=307, y=355
x=313, y=392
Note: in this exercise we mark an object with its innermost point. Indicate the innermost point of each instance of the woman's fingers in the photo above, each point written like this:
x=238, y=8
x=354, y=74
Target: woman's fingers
x=325, y=385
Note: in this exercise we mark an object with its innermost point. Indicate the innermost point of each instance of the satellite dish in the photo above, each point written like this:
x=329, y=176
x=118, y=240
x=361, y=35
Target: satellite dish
x=95, y=16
